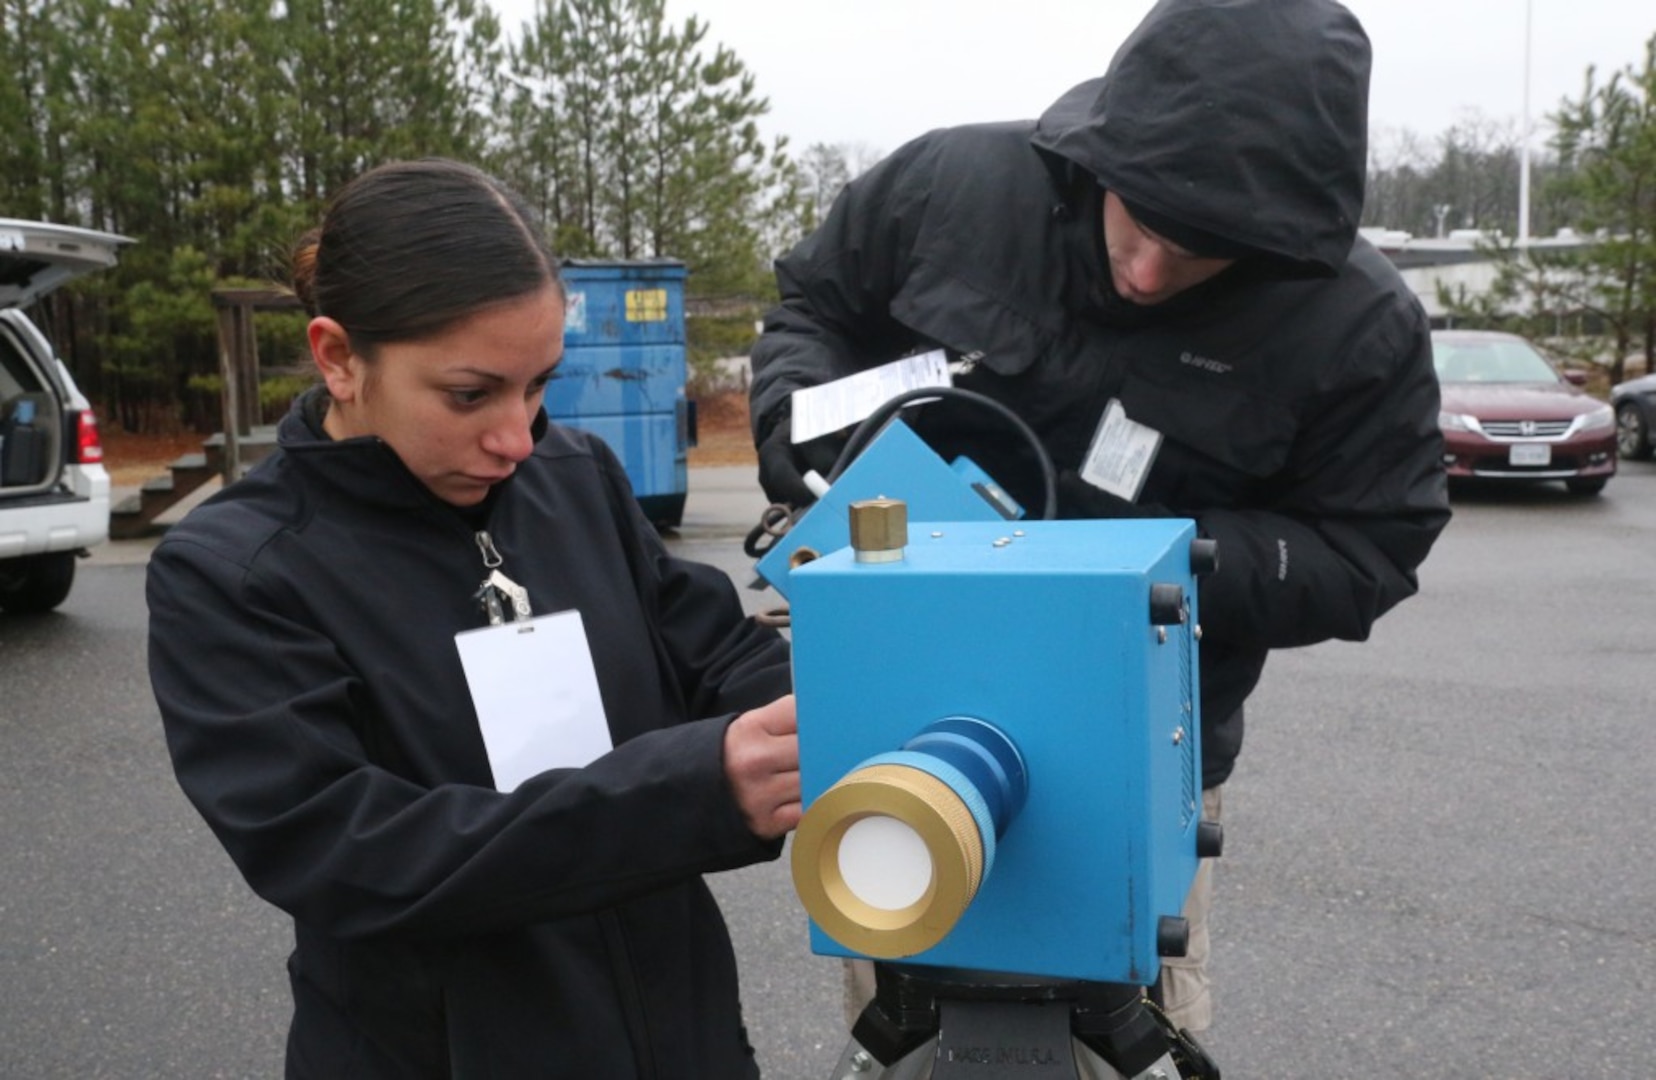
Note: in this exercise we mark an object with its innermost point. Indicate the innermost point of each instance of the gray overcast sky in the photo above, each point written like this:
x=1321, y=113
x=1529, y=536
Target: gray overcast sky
x=878, y=72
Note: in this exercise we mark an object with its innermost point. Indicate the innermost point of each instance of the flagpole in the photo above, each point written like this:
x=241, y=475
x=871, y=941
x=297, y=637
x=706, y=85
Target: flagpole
x=1524, y=148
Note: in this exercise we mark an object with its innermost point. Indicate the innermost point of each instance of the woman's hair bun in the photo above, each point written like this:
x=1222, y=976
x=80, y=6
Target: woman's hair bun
x=304, y=269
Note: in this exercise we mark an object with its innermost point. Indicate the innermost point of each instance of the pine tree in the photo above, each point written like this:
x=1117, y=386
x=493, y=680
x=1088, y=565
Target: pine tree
x=1608, y=136
x=635, y=143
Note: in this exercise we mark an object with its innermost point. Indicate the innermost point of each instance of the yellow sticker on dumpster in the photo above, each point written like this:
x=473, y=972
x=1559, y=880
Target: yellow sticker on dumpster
x=647, y=305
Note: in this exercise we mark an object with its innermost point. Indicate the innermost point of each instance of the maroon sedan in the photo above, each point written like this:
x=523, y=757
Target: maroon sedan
x=1508, y=414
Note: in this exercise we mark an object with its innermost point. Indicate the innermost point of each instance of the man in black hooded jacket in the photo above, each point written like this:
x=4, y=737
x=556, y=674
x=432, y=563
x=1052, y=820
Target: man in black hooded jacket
x=1175, y=242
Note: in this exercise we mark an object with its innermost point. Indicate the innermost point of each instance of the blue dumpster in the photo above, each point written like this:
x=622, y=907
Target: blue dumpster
x=623, y=374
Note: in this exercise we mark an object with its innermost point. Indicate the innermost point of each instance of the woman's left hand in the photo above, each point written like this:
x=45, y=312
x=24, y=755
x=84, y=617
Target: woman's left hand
x=761, y=763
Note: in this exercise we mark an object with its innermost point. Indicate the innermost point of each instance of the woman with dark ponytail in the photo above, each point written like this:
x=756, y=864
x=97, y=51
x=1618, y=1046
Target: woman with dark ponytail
x=445, y=698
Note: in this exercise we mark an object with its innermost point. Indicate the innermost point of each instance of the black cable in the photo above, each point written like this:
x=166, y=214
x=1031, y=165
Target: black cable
x=880, y=417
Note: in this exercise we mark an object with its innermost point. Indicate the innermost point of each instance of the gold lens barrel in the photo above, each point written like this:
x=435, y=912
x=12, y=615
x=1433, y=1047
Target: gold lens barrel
x=855, y=833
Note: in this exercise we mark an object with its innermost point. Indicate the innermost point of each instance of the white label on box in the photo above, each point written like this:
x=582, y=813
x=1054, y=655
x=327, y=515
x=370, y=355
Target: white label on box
x=575, y=317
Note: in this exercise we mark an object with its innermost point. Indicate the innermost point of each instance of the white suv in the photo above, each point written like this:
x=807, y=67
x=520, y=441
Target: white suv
x=54, y=492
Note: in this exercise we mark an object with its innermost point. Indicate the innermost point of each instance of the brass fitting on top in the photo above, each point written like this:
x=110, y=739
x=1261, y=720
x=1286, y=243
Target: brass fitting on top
x=879, y=529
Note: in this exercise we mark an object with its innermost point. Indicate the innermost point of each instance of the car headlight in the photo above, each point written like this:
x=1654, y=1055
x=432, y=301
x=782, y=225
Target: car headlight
x=1600, y=419
x=1449, y=421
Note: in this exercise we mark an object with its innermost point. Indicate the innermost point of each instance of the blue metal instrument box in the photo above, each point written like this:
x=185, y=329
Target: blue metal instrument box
x=1044, y=630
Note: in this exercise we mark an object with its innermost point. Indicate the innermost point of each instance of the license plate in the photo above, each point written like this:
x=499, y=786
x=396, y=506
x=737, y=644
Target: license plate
x=1530, y=454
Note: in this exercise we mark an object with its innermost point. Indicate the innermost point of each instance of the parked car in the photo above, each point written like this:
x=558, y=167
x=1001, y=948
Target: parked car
x=1509, y=414
x=1635, y=405
x=54, y=491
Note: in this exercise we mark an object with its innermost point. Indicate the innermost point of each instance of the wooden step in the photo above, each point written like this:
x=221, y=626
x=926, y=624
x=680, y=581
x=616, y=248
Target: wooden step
x=250, y=448
x=135, y=515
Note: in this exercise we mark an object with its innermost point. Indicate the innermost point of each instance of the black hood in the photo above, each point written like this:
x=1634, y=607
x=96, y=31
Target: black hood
x=1247, y=119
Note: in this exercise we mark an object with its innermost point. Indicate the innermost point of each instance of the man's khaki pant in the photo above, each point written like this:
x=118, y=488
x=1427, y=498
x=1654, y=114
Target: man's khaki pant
x=1187, y=991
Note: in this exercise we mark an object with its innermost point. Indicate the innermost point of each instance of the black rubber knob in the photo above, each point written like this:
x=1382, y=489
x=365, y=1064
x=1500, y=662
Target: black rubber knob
x=1172, y=936
x=1204, y=556
x=1167, y=604
x=1210, y=839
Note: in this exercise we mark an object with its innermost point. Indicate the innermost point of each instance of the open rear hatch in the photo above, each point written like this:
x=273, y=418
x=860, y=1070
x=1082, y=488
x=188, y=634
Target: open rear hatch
x=38, y=416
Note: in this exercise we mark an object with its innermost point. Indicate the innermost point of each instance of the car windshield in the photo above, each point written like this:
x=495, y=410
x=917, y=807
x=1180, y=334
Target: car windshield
x=1490, y=362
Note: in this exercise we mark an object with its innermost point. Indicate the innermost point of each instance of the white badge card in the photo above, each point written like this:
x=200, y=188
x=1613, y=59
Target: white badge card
x=819, y=410
x=535, y=690
x=1121, y=454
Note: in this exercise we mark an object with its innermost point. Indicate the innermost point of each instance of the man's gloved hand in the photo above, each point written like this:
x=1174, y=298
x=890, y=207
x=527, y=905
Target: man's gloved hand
x=1079, y=499
x=784, y=463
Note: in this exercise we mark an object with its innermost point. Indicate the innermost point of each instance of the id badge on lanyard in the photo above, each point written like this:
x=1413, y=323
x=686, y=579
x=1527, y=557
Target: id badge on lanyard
x=1121, y=454
x=532, y=683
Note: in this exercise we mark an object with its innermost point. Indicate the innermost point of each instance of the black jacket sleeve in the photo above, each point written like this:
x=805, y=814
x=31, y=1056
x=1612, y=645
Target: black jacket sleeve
x=725, y=662
x=837, y=285
x=264, y=718
x=1360, y=503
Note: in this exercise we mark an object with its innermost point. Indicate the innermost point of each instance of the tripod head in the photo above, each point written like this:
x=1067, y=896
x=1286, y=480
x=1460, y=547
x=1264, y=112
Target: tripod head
x=989, y=1020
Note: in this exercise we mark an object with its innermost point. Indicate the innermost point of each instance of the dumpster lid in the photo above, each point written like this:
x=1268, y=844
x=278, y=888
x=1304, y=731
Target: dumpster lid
x=623, y=268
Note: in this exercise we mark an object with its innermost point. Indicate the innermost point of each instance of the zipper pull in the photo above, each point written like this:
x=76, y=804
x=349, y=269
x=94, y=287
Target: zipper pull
x=497, y=587
x=486, y=545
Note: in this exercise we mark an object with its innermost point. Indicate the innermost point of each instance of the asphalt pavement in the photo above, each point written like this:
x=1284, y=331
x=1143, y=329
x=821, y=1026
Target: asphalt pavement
x=1434, y=865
